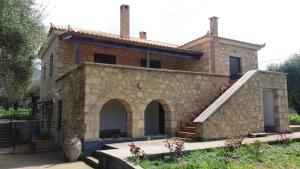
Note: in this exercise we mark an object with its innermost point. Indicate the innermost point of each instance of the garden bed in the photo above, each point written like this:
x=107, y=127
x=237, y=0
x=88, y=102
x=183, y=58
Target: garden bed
x=259, y=155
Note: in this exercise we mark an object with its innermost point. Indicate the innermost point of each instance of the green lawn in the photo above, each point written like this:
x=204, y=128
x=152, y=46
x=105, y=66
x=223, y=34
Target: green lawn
x=20, y=114
x=245, y=157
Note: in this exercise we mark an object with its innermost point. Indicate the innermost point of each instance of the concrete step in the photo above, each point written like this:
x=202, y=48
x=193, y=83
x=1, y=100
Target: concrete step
x=260, y=134
x=295, y=128
x=188, y=135
x=92, y=161
x=188, y=129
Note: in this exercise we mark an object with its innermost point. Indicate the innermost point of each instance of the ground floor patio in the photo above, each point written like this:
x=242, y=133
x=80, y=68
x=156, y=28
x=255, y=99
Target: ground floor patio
x=49, y=160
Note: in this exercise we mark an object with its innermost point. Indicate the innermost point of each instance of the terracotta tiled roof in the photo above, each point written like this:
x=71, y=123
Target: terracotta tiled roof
x=233, y=40
x=62, y=29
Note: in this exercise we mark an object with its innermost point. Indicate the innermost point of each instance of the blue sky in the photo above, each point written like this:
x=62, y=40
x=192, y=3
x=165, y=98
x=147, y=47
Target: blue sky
x=275, y=22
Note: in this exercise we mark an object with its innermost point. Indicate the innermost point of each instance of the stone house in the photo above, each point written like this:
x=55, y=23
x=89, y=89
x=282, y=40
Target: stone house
x=103, y=86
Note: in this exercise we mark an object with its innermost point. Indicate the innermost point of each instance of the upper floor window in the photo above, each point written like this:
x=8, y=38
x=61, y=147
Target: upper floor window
x=104, y=58
x=153, y=63
x=44, y=70
x=51, y=66
x=234, y=67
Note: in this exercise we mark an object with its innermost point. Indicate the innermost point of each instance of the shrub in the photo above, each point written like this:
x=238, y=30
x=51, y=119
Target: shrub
x=294, y=118
x=20, y=114
x=233, y=143
x=258, y=149
x=175, y=146
x=137, y=151
x=283, y=138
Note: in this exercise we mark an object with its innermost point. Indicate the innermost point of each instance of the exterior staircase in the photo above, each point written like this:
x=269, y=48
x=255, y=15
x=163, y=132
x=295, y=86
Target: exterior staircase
x=4, y=135
x=188, y=130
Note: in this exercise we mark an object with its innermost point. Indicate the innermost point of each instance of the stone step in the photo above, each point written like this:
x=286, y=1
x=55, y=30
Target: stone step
x=4, y=129
x=188, y=135
x=4, y=145
x=4, y=139
x=4, y=136
x=92, y=161
x=4, y=132
x=188, y=129
x=295, y=128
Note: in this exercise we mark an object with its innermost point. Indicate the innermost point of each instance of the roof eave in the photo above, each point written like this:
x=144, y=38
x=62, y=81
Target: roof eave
x=115, y=43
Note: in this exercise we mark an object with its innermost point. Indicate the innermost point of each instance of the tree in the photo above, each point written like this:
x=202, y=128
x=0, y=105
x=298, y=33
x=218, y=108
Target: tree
x=21, y=35
x=292, y=67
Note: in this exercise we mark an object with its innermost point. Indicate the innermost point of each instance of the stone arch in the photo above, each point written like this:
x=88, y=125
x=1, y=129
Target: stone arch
x=115, y=119
x=157, y=117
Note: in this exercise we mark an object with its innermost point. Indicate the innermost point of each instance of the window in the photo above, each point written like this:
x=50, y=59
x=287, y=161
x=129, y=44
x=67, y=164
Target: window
x=235, y=68
x=104, y=58
x=51, y=66
x=153, y=63
x=59, y=120
x=44, y=70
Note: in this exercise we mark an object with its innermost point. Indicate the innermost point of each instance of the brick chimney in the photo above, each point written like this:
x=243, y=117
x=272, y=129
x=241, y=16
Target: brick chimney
x=143, y=35
x=124, y=21
x=213, y=26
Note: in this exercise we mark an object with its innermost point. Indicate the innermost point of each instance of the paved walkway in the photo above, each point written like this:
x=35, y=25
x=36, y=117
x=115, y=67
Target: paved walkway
x=49, y=160
x=157, y=146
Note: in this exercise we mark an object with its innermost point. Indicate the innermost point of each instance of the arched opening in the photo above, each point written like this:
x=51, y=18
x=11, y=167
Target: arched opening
x=113, y=120
x=154, y=119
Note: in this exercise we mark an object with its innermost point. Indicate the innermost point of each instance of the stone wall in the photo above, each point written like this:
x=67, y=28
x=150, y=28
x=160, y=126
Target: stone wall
x=65, y=60
x=204, y=64
x=180, y=93
x=216, y=55
x=214, y=60
x=47, y=80
x=243, y=112
x=72, y=95
x=223, y=51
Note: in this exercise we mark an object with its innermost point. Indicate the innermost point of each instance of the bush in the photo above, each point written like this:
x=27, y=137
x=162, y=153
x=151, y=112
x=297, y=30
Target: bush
x=175, y=146
x=233, y=143
x=294, y=118
x=19, y=114
x=283, y=138
x=137, y=151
